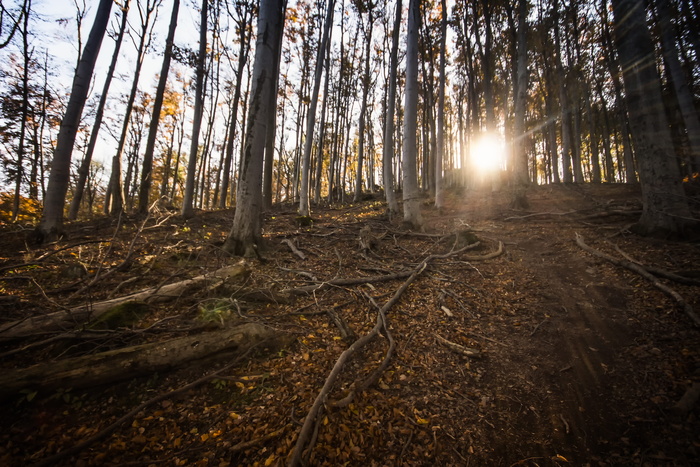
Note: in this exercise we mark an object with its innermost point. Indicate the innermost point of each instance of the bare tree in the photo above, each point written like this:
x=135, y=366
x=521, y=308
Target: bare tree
x=188, y=201
x=389, y=133
x=147, y=165
x=84, y=169
x=51, y=224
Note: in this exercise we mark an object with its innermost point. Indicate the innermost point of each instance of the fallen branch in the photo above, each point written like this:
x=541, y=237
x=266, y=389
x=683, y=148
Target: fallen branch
x=658, y=271
x=293, y=247
x=130, y=362
x=344, y=282
x=687, y=308
x=73, y=317
x=460, y=349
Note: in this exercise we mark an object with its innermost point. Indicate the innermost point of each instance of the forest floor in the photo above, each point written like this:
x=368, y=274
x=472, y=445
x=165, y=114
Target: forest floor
x=581, y=362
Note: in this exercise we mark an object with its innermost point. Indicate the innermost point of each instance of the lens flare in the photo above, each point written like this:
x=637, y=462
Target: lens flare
x=488, y=153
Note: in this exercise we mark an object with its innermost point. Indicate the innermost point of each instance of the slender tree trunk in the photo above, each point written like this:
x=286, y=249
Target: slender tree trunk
x=304, y=206
x=366, y=83
x=84, y=169
x=188, y=200
x=520, y=162
x=389, y=129
x=51, y=224
x=245, y=235
x=147, y=168
x=665, y=207
x=563, y=101
x=322, y=132
x=411, y=194
x=440, y=149
x=25, y=109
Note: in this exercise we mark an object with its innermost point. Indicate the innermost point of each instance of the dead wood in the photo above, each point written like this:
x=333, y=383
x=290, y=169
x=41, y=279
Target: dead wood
x=687, y=308
x=131, y=362
x=538, y=214
x=53, y=460
x=77, y=316
x=293, y=247
x=460, y=349
x=346, y=332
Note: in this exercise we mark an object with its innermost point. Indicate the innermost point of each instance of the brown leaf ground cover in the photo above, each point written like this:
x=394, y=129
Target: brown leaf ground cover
x=581, y=361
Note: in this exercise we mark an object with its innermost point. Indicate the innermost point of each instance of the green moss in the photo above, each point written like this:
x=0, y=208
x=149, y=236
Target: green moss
x=122, y=315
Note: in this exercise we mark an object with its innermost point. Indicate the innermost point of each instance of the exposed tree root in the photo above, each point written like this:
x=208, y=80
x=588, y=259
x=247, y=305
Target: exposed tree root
x=634, y=267
x=305, y=440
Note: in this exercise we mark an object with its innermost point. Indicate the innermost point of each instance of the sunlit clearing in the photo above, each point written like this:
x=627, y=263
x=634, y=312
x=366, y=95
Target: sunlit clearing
x=488, y=153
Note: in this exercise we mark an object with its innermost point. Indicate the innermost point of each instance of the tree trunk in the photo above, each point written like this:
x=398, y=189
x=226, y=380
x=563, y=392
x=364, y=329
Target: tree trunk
x=389, y=133
x=366, y=83
x=520, y=167
x=304, y=205
x=188, y=200
x=51, y=225
x=411, y=194
x=140, y=360
x=84, y=169
x=686, y=102
x=563, y=101
x=245, y=235
x=440, y=149
x=665, y=207
x=147, y=165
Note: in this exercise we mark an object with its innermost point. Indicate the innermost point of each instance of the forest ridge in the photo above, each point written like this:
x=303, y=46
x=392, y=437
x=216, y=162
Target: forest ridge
x=310, y=102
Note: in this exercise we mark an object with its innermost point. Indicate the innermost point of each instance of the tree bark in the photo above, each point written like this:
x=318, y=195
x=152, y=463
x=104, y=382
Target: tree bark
x=246, y=234
x=411, y=194
x=51, y=225
x=440, y=143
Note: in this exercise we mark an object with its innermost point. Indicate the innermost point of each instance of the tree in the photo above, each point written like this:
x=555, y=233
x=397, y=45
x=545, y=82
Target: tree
x=440, y=149
x=51, y=224
x=388, y=155
x=520, y=167
x=665, y=207
x=245, y=235
x=147, y=166
x=411, y=194
x=304, y=207
x=84, y=169
x=188, y=201
x=25, y=107
x=114, y=202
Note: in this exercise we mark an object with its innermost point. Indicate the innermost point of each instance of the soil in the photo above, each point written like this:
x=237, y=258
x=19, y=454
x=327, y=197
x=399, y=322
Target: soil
x=581, y=362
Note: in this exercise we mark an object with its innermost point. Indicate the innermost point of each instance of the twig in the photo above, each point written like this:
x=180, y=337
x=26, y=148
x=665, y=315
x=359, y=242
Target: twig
x=536, y=214
x=460, y=349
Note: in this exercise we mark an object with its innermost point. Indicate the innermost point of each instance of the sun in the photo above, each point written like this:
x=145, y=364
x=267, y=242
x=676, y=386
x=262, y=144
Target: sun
x=488, y=153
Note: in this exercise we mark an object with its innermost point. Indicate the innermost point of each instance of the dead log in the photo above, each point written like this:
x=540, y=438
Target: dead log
x=131, y=362
x=69, y=319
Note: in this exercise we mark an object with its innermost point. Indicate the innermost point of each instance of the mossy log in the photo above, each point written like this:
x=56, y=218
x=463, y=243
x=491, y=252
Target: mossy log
x=131, y=362
x=70, y=319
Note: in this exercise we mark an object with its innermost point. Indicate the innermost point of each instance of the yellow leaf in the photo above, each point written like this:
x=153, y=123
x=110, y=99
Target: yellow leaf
x=270, y=460
x=305, y=355
x=559, y=458
x=422, y=421
x=204, y=437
